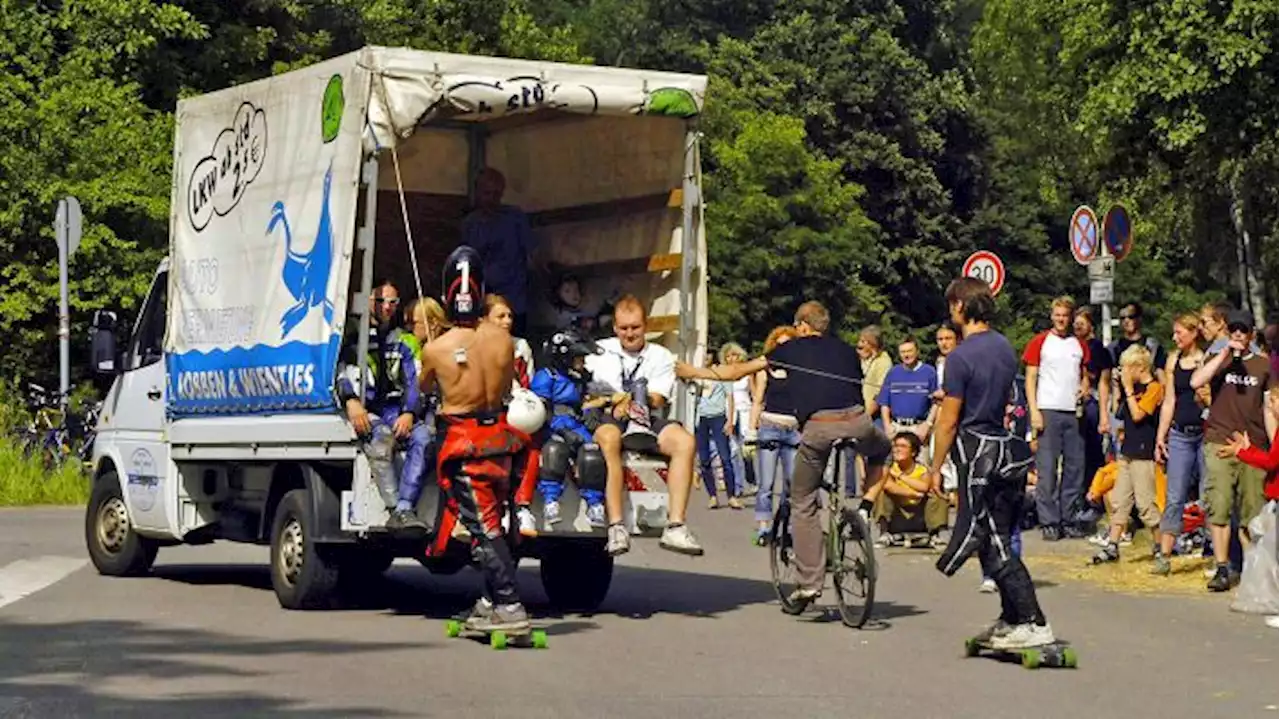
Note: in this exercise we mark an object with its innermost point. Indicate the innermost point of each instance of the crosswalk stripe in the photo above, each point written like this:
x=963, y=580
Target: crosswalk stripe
x=27, y=576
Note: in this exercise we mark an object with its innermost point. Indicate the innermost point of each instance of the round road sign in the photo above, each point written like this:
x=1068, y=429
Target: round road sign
x=1083, y=234
x=987, y=267
x=1117, y=232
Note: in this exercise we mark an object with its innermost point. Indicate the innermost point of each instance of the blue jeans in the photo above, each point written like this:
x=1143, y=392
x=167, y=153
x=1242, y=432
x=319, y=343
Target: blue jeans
x=1060, y=439
x=711, y=430
x=1184, y=473
x=767, y=466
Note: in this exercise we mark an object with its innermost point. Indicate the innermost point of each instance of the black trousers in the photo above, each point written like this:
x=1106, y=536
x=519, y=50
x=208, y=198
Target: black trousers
x=992, y=474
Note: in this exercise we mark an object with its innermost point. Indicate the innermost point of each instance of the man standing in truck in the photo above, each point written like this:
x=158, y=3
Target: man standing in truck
x=390, y=411
x=501, y=237
x=474, y=364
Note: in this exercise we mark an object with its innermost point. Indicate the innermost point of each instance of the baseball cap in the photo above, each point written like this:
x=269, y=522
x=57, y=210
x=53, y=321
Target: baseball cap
x=1240, y=318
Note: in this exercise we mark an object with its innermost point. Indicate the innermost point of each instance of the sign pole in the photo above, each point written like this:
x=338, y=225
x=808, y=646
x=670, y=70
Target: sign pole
x=1106, y=309
x=67, y=228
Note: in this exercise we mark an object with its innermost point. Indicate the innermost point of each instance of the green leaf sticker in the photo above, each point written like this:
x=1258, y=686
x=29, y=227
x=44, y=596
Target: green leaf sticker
x=331, y=109
x=673, y=101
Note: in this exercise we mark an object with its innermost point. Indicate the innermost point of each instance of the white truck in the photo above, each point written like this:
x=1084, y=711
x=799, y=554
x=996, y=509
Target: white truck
x=289, y=195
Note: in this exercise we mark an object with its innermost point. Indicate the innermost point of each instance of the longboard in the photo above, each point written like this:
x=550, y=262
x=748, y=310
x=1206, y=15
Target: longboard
x=1057, y=654
x=499, y=638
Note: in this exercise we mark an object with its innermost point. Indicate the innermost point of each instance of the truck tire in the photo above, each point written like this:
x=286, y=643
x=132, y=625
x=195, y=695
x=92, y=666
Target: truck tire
x=576, y=575
x=115, y=549
x=303, y=575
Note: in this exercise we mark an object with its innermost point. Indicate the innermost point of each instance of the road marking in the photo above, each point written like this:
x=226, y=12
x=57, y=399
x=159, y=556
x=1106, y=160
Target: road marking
x=28, y=576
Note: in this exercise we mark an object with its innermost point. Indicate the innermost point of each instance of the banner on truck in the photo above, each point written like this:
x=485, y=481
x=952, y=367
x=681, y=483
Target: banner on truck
x=265, y=185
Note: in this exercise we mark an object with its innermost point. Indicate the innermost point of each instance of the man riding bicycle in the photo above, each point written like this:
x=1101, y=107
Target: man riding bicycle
x=825, y=385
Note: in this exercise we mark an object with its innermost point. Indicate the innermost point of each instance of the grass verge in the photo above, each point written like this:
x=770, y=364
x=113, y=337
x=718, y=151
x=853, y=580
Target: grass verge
x=25, y=481
x=1131, y=575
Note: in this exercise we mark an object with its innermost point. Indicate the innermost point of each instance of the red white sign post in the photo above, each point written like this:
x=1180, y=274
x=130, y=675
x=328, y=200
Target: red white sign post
x=986, y=266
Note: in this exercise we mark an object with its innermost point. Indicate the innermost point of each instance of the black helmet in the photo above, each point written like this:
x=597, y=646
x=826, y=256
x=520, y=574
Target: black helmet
x=560, y=350
x=463, y=284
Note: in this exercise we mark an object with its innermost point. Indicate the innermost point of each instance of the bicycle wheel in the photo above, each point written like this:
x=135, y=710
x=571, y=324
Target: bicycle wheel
x=782, y=560
x=854, y=571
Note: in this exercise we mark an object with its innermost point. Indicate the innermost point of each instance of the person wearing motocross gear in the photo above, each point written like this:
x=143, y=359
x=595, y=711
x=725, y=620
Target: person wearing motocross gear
x=389, y=415
x=562, y=385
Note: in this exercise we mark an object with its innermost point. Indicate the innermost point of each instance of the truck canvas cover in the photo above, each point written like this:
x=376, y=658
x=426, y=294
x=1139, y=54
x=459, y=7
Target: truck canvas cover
x=266, y=183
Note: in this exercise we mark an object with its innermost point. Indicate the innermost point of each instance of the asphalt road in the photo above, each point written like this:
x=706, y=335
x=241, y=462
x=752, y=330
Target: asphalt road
x=677, y=637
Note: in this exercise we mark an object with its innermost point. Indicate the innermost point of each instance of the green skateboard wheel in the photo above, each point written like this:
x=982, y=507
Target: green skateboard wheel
x=1031, y=659
x=539, y=638
x=971, y=647
x=453, y=628
x=498, y=640
x=1069, y=658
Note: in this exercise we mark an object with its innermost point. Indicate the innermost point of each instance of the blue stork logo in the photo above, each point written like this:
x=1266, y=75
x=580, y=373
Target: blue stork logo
x=306, y=274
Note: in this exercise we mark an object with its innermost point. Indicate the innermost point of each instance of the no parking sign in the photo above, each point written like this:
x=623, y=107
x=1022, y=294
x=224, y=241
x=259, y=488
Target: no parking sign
x=987, y=267
x=1083, y=234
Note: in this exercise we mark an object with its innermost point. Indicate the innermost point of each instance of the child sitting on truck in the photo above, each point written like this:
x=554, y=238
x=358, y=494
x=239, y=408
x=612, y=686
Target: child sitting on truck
x=562, y=383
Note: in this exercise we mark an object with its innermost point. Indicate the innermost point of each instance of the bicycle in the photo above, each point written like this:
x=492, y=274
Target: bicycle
x=848, y=544
x=54, y=433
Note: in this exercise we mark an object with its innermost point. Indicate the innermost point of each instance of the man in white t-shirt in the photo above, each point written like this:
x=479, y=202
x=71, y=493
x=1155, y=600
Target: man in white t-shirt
x=1057, y=381
x=625, y=358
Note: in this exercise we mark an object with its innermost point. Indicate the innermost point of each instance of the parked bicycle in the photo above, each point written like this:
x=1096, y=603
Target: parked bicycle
x=848, y=544
x=54, y=434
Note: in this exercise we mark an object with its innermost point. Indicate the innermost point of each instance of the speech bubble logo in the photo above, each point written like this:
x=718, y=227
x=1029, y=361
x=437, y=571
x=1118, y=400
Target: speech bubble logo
x=221, y=178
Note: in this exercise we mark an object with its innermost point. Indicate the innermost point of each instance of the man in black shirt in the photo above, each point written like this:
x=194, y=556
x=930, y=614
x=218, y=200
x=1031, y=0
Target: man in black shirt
x=991, y=465
x=824, y=383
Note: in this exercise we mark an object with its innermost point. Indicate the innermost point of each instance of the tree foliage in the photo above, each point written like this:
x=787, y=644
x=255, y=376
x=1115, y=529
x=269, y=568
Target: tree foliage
x=854, y=151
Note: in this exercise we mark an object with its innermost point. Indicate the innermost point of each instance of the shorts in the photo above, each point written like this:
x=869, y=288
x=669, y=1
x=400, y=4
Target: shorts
x=1230, y=481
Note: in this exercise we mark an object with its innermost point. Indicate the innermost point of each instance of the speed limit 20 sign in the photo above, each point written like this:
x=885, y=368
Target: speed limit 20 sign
x=987, y=267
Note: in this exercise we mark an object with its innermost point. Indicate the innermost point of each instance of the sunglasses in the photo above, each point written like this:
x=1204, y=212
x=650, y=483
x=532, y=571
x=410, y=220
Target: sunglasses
x=1128, y=317
x=387, y=300
x=1242, y=329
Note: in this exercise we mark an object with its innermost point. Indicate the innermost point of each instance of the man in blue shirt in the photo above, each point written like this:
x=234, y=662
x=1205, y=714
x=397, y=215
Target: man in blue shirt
x=906, y=402
x=991, y=465
x=501, y=234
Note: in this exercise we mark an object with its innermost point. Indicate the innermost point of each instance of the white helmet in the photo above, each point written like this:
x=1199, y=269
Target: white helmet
x=526, y=412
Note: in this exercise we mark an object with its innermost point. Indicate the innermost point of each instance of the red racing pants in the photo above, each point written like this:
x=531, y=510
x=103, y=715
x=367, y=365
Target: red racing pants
x=479, y=454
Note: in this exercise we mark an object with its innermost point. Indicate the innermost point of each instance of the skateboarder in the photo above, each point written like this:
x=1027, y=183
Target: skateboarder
x=992, y=465
x=474, y=365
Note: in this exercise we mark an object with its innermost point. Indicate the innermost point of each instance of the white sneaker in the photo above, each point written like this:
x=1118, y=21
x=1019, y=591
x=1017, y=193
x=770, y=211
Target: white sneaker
x=527, y=522
x=1024, y=636
x=595, y=515
x=1272, y=621
x=678, y=538
x=998, y=628
x=551, y=513
x=619, y=540
x=988, y=586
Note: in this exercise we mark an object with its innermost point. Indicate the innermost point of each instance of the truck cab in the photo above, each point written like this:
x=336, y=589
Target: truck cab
x=221, y=421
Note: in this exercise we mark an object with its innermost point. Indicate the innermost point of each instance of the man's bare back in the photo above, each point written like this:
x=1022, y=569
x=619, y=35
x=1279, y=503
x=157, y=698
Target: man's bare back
x=483, y=380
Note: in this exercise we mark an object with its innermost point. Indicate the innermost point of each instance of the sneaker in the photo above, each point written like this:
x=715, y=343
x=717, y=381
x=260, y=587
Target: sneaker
x=735, y=503
x=503, y=617
x=1221, y=581
x=762, y=536
x=481, y=611
x=937, y=541
x=1024, y=636
x=1272, y=621
x=527, y=522
x=406, y=522
x=595, y=515
x=998, y=628
x=884, y=541
x=619, y=540
x=988, y=586
x=1109, y=553
x=1101, y=539
x=1050, y=534
x=713, y=503
x=1162, y=566
x=802, y=598
x=1126, y=539
x=678, y=538
x=551, y=513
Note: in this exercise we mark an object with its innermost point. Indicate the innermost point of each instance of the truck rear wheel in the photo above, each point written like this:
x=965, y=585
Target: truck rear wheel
x=576, y=575
x=114, y=547
x=303, y=574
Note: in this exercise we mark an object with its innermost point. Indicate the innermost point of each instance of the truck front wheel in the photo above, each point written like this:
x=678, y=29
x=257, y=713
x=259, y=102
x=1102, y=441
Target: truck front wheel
x=302, y=574
x=114, y=547
x=576, y=575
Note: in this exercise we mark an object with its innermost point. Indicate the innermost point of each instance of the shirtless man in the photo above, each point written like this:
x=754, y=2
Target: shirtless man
x=479, y=451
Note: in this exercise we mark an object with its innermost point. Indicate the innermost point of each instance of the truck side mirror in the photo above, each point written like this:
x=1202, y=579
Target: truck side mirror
x=102, y=351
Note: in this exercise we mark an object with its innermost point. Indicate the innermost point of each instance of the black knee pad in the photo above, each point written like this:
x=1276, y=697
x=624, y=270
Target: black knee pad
x=592, y=472
x=554, y=464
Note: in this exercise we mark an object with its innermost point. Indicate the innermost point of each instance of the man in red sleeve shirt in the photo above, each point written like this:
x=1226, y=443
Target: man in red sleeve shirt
x=1057, y=380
